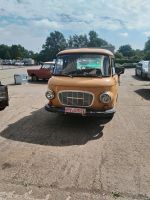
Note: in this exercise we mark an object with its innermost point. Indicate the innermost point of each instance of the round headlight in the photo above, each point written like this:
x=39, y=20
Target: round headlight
x=105, y=98
x=49, y=95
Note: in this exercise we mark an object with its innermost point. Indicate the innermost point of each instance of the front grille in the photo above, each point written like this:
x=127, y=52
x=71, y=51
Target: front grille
x=76, y=98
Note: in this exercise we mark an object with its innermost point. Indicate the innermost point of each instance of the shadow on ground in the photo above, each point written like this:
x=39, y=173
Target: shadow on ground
x=139, y=78
x=30, y=82
x=51, y=129
x=144, y=93
x=40, y=81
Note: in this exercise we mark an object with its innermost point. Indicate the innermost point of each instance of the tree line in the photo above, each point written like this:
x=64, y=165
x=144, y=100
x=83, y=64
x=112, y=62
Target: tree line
x=56, y=42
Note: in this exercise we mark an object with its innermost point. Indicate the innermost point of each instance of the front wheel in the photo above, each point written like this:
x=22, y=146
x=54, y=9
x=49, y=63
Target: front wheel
x=34, y=78
x=136, y=73
x=2, y=108
x=142, y=75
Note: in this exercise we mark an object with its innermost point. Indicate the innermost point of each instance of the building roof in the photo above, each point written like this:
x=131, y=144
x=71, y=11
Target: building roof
x=86, y=50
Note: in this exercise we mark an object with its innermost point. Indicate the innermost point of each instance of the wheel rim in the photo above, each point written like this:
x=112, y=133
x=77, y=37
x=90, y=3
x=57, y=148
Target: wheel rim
x=34, y=78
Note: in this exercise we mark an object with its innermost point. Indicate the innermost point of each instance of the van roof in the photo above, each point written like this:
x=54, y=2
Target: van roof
x=87, y=50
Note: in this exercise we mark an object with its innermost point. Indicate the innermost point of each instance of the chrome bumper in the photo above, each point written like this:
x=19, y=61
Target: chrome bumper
x=89, y=112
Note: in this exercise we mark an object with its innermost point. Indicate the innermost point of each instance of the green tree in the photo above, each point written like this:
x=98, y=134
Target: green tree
x=7, y=55
x=126, y=50
x=147, y=55
x=78, y=41
x=19, y=52
x=4, y=52
x=147, y=45
x=95, y=41
x=15, y=54
x=139, y=54
x=118, y=55
x=54, y=43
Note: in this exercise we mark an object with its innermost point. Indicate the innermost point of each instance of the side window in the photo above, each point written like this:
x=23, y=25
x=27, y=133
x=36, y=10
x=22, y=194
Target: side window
x=107, y=68
x=113, y=66
x=59, y=66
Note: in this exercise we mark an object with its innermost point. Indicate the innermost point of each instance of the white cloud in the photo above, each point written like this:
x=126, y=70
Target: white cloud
x=14, y=34
x=147, y=33
x=38, y=18
x=121, y=13
x=45, y=23
x=124, y=34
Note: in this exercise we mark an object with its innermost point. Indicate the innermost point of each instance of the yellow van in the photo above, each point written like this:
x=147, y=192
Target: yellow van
x=84, y=82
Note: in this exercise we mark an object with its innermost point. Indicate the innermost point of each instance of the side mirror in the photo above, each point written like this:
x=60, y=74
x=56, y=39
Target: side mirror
x=119, y=70
x=41, y=66
x=53, y=70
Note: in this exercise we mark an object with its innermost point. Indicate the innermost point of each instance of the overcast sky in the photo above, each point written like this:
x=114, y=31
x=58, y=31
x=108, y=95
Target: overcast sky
x=29, y=22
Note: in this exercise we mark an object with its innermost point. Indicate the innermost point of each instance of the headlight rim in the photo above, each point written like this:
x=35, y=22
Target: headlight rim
x=52, y=93
x=101, y=96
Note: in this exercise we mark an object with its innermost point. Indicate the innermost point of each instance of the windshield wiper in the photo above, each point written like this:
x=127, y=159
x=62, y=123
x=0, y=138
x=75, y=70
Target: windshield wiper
x=93, y=75
x=89, y=75
x=85, y=75
x=69, y=75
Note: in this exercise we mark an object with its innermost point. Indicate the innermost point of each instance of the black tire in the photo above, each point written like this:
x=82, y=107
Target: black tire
x=34, y=78
x=2, y=108
x=142, y=75
x=136, y=73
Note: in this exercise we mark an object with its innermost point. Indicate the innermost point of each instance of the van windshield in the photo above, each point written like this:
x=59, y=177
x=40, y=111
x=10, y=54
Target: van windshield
x=95, y=65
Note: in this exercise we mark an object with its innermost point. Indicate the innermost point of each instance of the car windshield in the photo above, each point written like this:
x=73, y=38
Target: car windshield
x=48, y=66
x=82, y=65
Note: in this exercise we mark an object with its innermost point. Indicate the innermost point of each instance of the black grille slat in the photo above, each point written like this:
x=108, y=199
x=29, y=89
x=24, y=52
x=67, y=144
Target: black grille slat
x=75, y=98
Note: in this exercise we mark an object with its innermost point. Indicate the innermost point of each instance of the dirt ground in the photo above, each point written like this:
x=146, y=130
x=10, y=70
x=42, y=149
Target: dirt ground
x=46, y=156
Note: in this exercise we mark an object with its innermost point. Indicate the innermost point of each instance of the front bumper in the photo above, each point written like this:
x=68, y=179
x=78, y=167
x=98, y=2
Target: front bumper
x=89, y=112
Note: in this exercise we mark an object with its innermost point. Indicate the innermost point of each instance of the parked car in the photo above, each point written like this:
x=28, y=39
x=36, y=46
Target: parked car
x=28, y=61
x=141, y=69
x=84, y=82
x=7, y=62
x=4, y=100
x=45, y=71
x=19, y=63
x=148, y=75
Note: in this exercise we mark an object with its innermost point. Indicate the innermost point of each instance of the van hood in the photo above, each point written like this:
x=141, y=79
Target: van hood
x=80, y=81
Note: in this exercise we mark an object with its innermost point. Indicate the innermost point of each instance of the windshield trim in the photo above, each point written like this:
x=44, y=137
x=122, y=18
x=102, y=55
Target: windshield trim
x=79, y=76
x=59, y=56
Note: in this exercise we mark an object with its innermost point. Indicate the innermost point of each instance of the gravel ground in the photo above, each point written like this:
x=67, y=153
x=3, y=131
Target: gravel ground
x=45, y=156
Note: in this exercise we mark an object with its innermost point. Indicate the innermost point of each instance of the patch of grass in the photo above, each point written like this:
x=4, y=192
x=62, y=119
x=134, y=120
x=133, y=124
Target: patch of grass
x=116, y=195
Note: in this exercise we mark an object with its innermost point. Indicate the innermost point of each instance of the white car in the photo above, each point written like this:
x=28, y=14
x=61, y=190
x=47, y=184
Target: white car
x=141, y=69
x=19, y=63
x=148, y=75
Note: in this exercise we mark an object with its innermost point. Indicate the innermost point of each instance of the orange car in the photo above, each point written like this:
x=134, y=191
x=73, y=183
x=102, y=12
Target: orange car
x=84, y=82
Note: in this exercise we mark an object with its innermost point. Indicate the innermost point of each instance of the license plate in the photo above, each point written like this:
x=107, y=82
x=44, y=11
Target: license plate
x=75, y=110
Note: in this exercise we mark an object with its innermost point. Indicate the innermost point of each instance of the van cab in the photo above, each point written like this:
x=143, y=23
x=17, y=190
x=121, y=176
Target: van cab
x=84, y=82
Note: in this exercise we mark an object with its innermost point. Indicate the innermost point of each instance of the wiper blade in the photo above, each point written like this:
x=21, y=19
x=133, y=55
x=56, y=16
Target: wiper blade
x=92, y=75
x=69, y=75
x=86, y=75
